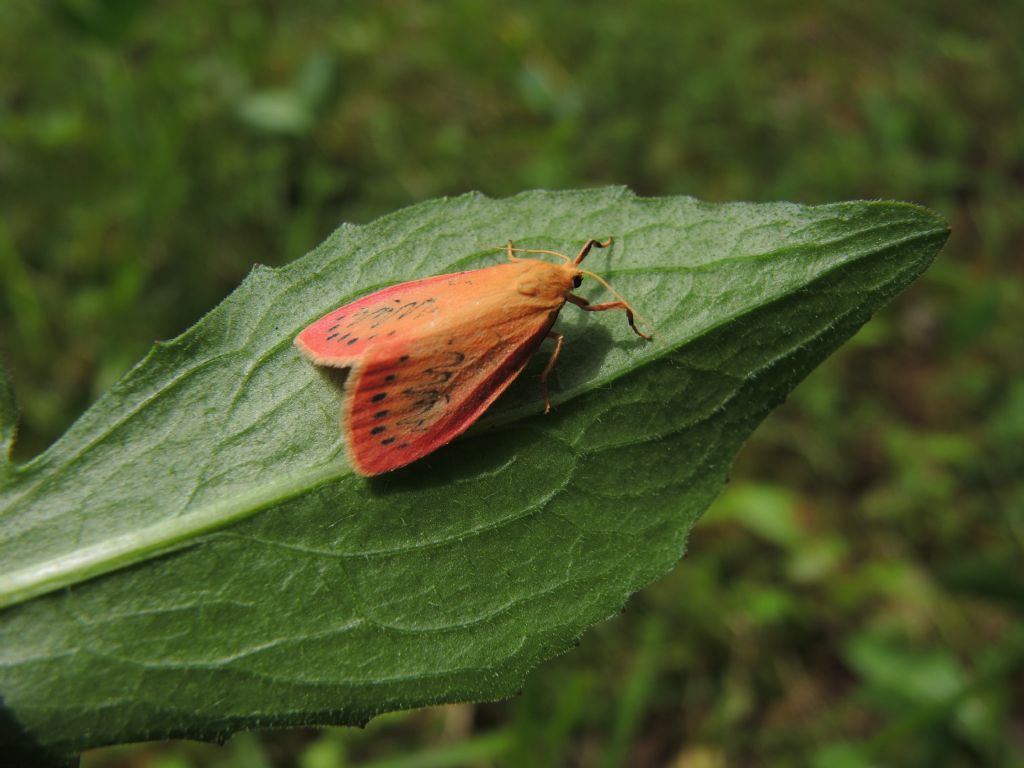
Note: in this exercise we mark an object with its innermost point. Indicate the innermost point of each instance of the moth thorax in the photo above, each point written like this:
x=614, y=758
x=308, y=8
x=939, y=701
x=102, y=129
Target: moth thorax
x=545, y=281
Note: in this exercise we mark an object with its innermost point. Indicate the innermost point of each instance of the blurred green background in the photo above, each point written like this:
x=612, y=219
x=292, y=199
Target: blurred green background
x=855, y=597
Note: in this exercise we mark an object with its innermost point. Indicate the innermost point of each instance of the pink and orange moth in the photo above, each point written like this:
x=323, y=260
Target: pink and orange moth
x=429, y=356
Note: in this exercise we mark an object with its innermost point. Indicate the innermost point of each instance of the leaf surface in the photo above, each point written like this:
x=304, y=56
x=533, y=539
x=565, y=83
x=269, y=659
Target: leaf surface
x=194, y=556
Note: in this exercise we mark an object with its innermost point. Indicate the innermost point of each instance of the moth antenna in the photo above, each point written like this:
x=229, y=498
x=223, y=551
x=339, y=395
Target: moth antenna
x=620, y=297
x=512, y=250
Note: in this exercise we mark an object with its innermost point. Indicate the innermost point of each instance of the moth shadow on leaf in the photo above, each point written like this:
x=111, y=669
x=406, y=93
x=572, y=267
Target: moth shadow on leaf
x=586, y=347
x=336, y=377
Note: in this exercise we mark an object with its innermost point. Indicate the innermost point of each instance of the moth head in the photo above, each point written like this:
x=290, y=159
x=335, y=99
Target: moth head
x=572, y=275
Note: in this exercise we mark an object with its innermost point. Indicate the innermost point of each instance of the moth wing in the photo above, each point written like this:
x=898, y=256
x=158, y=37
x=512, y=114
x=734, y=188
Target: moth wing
x=340, y=338
x=406, y=399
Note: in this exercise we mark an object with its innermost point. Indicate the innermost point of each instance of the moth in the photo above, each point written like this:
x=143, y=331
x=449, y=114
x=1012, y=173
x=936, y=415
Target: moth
x=428, y=357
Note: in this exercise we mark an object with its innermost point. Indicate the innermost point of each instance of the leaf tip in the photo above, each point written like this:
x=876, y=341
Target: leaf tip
x=921, y=212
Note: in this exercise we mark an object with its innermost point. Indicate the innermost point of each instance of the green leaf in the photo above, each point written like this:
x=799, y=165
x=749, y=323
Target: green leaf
x=194, y=556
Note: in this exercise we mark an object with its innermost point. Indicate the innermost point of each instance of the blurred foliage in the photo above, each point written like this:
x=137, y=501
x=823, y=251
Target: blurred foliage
x=855, y=598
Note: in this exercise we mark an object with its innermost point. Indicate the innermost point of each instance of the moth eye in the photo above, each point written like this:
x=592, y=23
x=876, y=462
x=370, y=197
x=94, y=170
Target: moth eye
x=577, y=281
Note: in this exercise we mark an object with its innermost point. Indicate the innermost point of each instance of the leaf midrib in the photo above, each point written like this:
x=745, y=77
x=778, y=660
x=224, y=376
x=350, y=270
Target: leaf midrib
x=160, y=538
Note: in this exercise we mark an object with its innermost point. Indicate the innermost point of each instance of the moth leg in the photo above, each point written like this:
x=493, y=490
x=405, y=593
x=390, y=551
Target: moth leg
x=591, y=243
x=559, y=339
x=582, y=303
